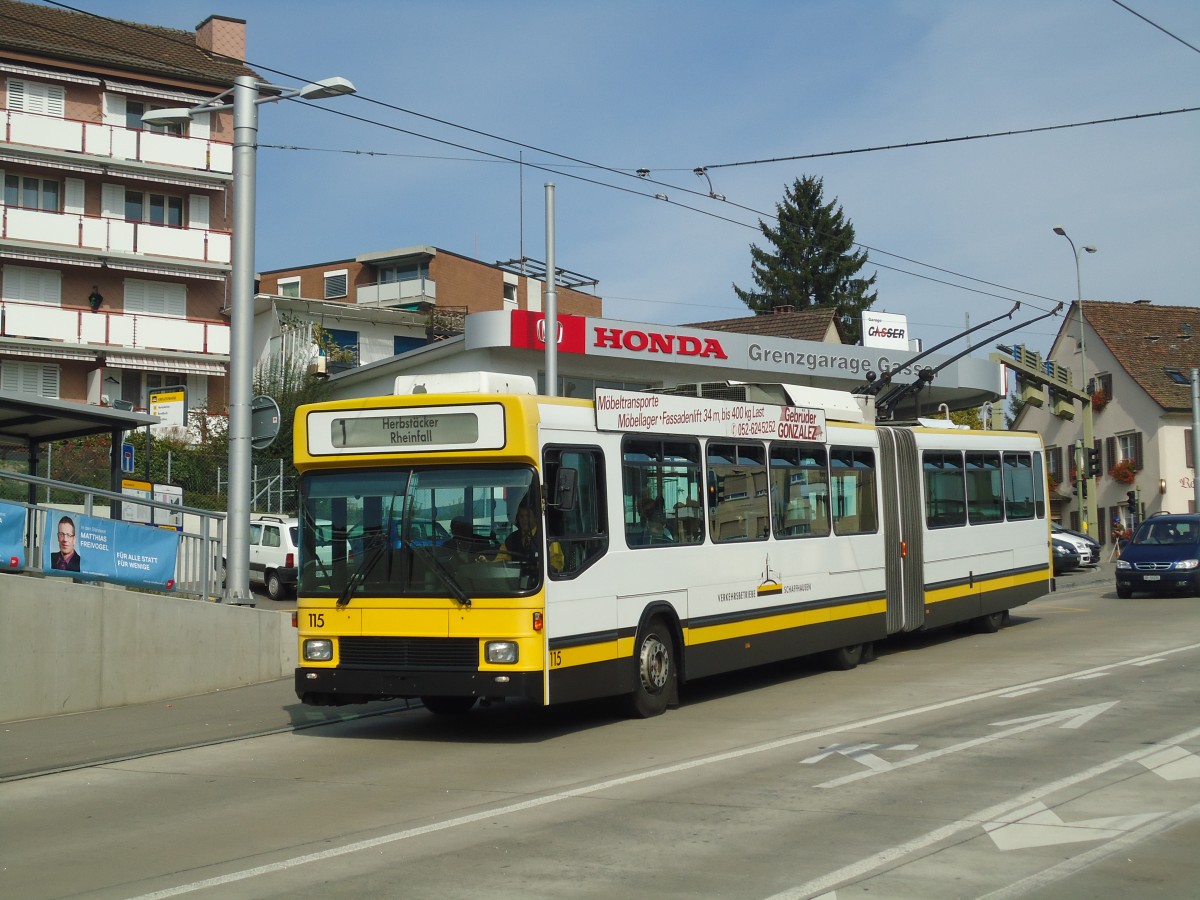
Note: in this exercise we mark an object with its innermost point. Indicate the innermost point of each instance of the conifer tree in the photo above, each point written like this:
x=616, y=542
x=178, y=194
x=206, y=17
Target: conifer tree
x=814, y=263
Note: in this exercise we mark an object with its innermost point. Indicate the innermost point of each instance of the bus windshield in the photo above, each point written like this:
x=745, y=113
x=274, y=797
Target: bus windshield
x=418, y=532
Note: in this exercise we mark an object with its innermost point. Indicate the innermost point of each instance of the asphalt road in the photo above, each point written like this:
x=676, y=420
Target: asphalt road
x=1059, y=758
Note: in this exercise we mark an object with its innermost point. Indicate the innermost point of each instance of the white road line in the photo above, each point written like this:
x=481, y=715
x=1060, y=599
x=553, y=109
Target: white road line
x=497, y=812
x=1069, y=867
x=893, y=855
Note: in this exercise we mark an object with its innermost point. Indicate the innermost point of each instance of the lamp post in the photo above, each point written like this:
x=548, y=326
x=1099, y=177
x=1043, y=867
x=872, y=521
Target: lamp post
x=1088, y=502
x=246, y=99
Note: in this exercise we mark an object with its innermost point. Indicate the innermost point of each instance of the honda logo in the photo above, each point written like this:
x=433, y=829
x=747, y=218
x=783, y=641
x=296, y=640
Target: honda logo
x=541, y=330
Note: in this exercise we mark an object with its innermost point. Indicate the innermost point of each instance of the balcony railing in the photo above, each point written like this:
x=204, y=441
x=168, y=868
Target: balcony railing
x=43, y=322
x=116, y=142
x=394, y=293
x=106, y=235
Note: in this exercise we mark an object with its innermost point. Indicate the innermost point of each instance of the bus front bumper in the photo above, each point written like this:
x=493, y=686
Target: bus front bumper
x=337, y=687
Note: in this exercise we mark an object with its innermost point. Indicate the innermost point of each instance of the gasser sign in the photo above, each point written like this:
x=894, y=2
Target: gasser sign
x=670, y=414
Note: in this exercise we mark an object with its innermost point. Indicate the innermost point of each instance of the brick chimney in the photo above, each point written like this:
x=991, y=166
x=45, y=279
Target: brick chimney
x=223, y=36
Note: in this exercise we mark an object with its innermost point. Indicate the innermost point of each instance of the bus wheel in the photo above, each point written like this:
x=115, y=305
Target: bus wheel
x=844, y=659
x=448, y=706
x=990, y=623
x=656, y=674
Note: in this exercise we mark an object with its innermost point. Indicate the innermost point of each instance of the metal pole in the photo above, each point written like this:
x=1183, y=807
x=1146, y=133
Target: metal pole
x=1196, y=440
x=551, y=307
x=241, y=325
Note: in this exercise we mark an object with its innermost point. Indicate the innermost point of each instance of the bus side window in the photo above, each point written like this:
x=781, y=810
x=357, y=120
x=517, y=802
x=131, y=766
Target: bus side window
x=580, y=532
x=853, y=490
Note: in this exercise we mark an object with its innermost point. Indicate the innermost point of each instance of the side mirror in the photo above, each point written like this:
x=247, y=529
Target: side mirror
x=566, y=483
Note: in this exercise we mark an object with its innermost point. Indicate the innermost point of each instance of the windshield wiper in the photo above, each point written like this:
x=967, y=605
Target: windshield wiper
x=360, y=574
x=445, y=577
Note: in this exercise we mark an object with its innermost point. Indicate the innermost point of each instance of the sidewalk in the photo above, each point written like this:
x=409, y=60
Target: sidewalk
x=55, y=743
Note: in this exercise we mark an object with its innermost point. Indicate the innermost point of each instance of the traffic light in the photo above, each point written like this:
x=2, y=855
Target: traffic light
x=1091, y=462
x=1131, y=501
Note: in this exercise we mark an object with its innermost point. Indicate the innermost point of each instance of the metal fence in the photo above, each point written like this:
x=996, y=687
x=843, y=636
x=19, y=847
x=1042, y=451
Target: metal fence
x=199, y=571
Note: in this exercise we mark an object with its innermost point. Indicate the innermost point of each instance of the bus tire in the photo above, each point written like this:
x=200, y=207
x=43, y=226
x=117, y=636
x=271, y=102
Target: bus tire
x=448, y=706
x=991, y=623
x=656, y=673
x=843, y=659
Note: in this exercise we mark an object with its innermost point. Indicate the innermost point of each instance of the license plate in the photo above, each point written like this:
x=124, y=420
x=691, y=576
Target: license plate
x=1152, y=577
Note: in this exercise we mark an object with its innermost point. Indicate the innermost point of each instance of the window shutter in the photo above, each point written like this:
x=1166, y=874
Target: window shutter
x=1188, y=452
x=1110, y=445
x=49, y=382
x=199, y=127
x=30, y=378
x=73, y=196
x=114, y=109
x=1137, y=451
x=198, y=211
x=335, y=285
x=112, y=201
x=32, y=97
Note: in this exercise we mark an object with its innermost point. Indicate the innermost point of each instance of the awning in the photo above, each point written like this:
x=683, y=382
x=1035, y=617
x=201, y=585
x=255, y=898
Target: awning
x=158, y=364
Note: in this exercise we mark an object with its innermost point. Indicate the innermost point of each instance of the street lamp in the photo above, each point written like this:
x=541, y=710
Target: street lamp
x=1088, y=503
x=246, y=100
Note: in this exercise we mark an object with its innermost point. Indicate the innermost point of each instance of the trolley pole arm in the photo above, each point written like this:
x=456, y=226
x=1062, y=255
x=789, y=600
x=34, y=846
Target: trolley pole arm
x=885, y=378
x=889, y=401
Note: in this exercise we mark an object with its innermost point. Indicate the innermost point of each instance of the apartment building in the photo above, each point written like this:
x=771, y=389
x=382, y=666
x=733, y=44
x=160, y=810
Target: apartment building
x=1136, y=362
x=115, y=236
x=333, y=316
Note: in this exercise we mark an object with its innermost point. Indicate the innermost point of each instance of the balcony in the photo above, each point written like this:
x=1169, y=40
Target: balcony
x=397, y=293
x=117, y=143
x=98, y=234
x=43, y=322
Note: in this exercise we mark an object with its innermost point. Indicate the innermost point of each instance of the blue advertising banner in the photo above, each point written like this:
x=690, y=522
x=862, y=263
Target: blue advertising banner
x=12, y=535
x=103, y=550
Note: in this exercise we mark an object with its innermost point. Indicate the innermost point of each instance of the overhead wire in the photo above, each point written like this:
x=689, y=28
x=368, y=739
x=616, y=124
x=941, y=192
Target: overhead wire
x=623, y=172
x=1156, y=25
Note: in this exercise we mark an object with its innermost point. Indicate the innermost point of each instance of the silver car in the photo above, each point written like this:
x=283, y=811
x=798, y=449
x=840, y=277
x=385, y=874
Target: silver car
x=1088, y=549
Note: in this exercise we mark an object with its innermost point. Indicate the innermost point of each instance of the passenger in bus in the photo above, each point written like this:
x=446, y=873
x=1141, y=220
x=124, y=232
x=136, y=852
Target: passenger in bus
x=654, y=528
x=463, y=540
x=524, y=545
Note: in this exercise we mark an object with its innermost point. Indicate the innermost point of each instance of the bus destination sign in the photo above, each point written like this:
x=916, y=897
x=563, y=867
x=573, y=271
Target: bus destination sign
x=673, y=414
x=406, y=430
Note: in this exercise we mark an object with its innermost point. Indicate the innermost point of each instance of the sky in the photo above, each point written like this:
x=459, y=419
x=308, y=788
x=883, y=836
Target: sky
x=957, y=232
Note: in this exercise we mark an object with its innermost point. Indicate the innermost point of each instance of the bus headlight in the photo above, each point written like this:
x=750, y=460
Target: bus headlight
x=501, y=652
x=318, y=650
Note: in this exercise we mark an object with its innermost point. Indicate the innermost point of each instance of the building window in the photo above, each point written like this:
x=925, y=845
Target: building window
x=1104, y=386
x=510, y=294
x=32, y=97
x=157, y=209
x=30, y=378
x=28, y=192
x=135, y=109
x=289, y=287
x=402, y=344
x=33, y=285
x=345, y=344
x=157, y=298
x=1178, y=377
x=335, y=284
x=1130, y=447
x=414, y=272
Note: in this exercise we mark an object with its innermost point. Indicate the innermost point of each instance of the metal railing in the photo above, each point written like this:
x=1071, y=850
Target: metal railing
x=199, y=568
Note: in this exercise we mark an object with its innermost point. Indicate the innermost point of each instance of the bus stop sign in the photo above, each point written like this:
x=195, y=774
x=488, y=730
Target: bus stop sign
x=264, y=422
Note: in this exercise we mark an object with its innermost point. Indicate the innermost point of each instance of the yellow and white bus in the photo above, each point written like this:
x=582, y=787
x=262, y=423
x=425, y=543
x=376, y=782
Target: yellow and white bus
x=675, y=535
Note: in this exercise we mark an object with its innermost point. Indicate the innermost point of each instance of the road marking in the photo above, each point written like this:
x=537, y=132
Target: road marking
x=1173, y=764
x=890, y=857
x=1151, y=662
x=1039, y=826
x=1021, y=693
x=1068, y=867
x=858, y=753
x=740, y=753
x=1092, y=675
x=1067, y=718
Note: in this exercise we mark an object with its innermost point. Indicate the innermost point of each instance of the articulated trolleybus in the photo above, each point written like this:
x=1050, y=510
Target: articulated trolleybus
x=467, y=538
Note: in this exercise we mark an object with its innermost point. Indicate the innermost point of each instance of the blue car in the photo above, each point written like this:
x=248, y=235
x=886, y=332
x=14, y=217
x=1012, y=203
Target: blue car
x=1162, y=557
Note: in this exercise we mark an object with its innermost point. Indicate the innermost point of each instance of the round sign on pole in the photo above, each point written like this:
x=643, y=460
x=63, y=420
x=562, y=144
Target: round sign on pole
x=264, y=422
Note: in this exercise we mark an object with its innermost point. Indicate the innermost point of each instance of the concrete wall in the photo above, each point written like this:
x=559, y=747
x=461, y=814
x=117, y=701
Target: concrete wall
x=67, y=647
